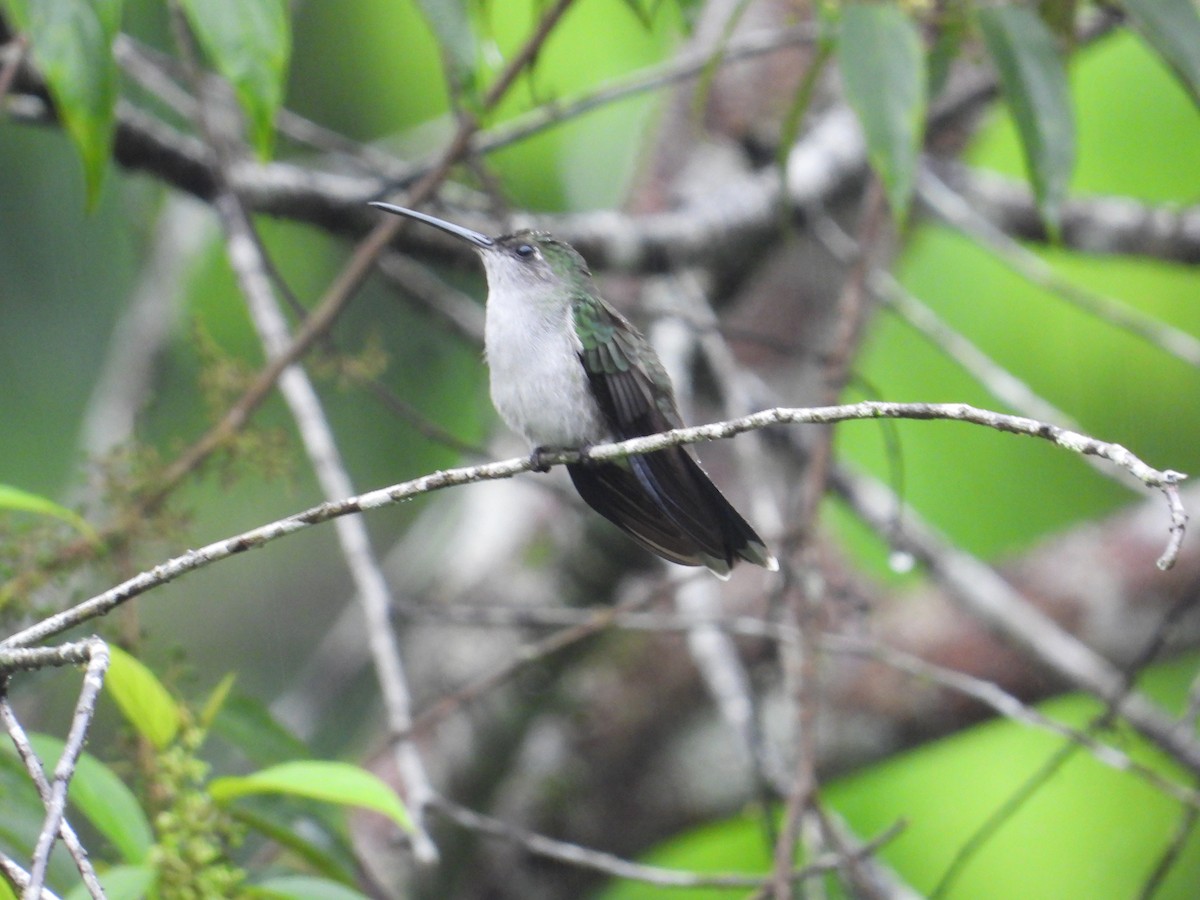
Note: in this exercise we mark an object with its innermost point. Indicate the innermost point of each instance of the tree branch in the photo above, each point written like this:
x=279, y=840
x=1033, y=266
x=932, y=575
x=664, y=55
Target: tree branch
x=616, y=867
x=1104, y=225
x=1165, y=480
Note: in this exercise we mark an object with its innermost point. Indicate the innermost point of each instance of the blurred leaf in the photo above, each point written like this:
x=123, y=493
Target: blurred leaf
x=333, y=782
x=1059, y=16
x=951, y=30
x=120, y=883
x=247, y=724
x=24, y=814
x=142, y=699
x=883, y=68
x=72, y=46
x=643, y=15
x=715, y=59
x=249, y=43
x=302, y=887
x=1035, y=85
x=1172, y=27
x=103, y=799
x=689, y=13
x=216, y=700
x=645, y=11
x=451, y=24
x=323, y=849
x=6, y=892
x=801, y=101
x=22, y=501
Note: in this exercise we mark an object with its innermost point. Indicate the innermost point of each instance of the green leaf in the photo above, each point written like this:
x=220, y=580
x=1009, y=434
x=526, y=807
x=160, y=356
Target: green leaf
x=332, y=782
x=103, y=799
x=216, y=700
x=798, y=108
x=248, y=725
x=1172, y=28
x=1059, y=16
x=322, y=849
x=948, y=41
x=883, y=70
x=142, y=699
x=120, y=883
x=304, y=887
x=1035, y=85
x=249, y=43
x=23, y=813
x=71, y=42
x=22, y=501
x=451, y=25
x=18, y=11
x=6, y=892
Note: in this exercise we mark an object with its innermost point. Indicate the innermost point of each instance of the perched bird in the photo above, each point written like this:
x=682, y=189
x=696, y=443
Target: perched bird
x=568, y=371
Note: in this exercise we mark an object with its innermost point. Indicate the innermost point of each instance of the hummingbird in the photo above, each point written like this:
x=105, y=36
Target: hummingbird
x=568, y=371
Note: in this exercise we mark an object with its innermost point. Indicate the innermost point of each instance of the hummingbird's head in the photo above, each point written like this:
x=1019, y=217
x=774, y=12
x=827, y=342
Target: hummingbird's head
x=532, y=262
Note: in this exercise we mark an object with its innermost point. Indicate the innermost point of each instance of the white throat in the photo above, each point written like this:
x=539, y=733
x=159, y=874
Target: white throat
x=539, y=385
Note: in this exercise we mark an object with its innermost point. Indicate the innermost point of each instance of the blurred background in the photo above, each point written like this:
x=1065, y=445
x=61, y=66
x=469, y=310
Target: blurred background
x=124, y=336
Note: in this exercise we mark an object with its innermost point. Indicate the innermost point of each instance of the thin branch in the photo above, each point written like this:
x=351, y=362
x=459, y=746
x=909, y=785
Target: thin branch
x=958, y=212
x=1102, y=225
x=995, y=379
x=321, y=446
x=681, y=68
x=616, y=867
x=713, y=652
x=450, y=703
x=31, y=659
x=19, y=878
x=253, y=274
x=93, y=652
x=987, y=693
x=1172, y=853
x=980, y=590
x=56, y=803
x=1010, y=707
x=254, y=538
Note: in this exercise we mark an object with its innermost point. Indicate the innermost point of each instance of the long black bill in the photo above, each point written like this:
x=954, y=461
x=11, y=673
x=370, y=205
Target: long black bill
x=479, y=240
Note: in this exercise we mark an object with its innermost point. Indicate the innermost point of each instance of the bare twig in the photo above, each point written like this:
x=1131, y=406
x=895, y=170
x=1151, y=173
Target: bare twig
x=985, y=692
x=325, y=458
x=616, y=867
x=264, y=534
x=93, y=652
x=1010, y=707
x=450, y=703
x=714, y=654
x=1107, y=225
x=997, y=380
x=19, y=878
x=992, y=600
x=56, y=803
x=1185, y=829
x=681, y=68
x=253, y=275
x=956, y=211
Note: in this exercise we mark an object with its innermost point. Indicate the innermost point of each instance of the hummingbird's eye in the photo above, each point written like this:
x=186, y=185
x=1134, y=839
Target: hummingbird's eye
x=525, y=251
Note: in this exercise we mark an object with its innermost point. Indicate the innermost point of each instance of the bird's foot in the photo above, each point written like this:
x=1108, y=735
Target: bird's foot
x=587, y=461
x=538, y=459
